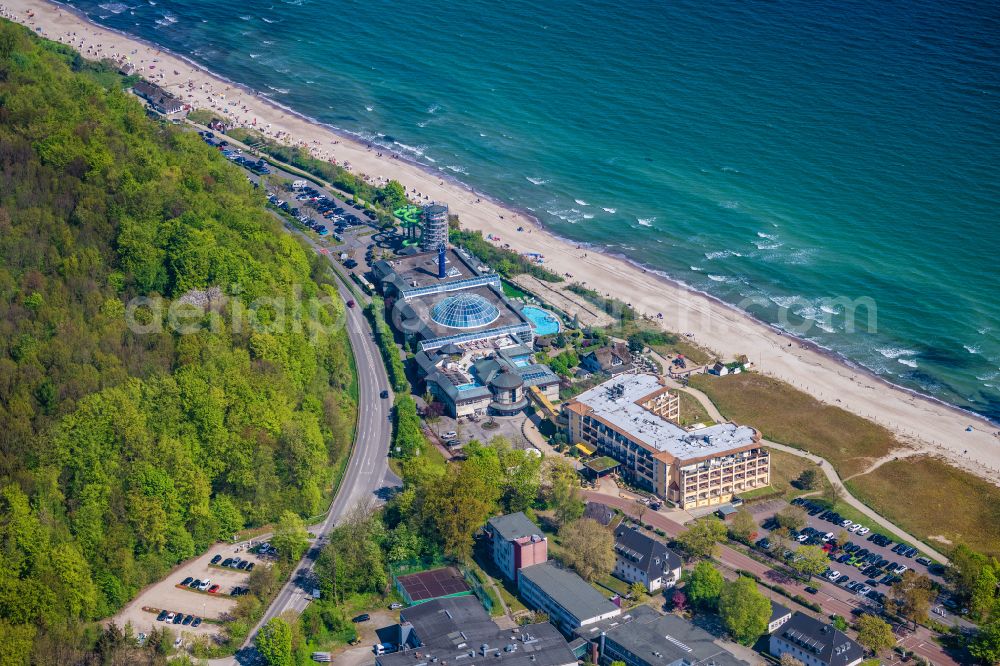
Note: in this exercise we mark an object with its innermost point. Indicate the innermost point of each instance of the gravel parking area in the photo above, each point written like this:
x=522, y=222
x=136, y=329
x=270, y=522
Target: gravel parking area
x=165, y=595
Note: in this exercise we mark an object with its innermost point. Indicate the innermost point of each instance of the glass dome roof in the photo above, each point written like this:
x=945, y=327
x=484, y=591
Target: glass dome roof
x=464, y=311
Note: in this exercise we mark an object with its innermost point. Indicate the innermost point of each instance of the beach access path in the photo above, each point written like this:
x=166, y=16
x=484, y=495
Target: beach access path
x=831, y=474
x=963, y=439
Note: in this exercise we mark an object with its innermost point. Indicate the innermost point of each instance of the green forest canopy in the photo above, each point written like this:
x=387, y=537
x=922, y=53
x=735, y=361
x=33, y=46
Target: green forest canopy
x=124, y=453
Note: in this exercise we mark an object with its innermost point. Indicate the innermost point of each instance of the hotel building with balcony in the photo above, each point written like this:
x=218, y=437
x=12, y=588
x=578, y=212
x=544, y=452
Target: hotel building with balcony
x=633, y=418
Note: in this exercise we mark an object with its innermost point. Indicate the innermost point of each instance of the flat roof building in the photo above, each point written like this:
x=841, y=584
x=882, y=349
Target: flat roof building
x=569, y=601
x=459, y=631
x=629, y=419
x=471, y=380
x=643, y=637
x=447, y=296
x=517, y=543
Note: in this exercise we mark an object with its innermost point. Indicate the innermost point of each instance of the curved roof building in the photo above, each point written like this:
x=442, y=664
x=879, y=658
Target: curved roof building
x=464, y=310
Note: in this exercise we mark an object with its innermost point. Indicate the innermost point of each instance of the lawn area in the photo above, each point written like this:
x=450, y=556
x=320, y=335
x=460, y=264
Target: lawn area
x=511, y=290
x=955, y=506
x=786, y=467
x=692, y=411
x=789, y=416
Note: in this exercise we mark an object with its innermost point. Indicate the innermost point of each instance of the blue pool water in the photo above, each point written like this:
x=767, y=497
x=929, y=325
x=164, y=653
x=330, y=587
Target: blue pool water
x=544, y=322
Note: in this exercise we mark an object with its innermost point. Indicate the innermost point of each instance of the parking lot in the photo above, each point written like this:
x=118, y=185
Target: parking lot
x=167, y=596
x=862, y=559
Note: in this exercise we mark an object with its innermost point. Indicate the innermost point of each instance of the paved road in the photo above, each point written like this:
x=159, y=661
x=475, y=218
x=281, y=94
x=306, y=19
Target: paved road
x=828, y=470
x=833, y=599
x=366, y=474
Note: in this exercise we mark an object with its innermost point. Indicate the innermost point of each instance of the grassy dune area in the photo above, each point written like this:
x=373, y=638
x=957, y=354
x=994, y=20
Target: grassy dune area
x=789, y=416
x=935, y=502
x=692, y=411
x=786, y=467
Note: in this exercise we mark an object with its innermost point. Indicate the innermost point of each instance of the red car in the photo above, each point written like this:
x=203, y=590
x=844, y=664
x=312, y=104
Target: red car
x=213, y=589
x=350, y=304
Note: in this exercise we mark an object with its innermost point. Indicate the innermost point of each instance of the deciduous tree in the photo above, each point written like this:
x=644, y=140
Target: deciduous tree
x=742, y=525
x=274, y=642
x=911, y=597
x=702, y=586
x=986, y=645
x=875, y=633
x=810, y=560
x=290, y=537
x=791, y=517
x=703, y=537
x=589, y=548
x=744, y=610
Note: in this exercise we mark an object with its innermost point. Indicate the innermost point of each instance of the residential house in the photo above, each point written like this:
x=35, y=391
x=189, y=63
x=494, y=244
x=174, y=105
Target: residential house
x=815, y=643
x=640, y=558
x=612, y=359
x=779, y=616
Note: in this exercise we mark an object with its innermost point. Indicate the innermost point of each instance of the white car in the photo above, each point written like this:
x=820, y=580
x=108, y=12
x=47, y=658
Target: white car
x=854, y=527
x=845, y=523
x=450, y=434
x=833, y=575
x=828, y=536
x=802, y=538
x=205, y=584
x=863, y=531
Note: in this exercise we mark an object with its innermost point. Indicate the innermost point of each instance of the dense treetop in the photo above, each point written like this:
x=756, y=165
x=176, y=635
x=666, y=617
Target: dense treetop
x=126, y=449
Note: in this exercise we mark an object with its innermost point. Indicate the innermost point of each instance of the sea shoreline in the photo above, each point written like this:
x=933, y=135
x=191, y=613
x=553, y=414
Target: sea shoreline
x=908, y=412
x=527, y=215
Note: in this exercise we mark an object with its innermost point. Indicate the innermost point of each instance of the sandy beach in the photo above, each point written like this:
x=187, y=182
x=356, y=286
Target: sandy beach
x=922, y=423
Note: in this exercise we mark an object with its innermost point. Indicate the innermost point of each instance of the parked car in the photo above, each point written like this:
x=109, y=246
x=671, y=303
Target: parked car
x=395, y=605
x=187, y=581
x=926, y=561
x=170, y=617
x=178, y=618
x=162, y=616
x=228, y=562
x=216, y=559
x=214, y=589
x=205, y=584
x=249, y=566
x=196, y=622
x=195, y=583
x=187, y=620
x=364, y=617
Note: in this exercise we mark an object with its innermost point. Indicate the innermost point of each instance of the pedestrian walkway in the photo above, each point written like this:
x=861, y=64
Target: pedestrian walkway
x=828, y=470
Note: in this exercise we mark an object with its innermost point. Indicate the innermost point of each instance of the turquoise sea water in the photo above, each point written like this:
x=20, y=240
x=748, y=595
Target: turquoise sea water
x=786, y=153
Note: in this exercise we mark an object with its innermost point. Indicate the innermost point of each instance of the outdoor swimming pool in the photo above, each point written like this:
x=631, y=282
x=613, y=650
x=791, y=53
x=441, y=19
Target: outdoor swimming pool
x=543, y=321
